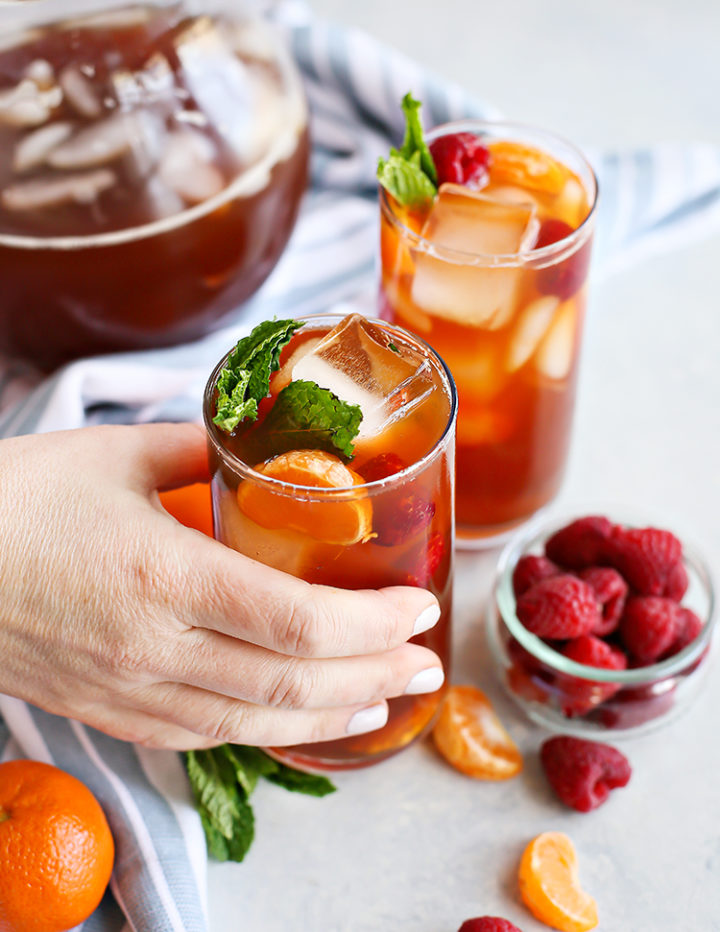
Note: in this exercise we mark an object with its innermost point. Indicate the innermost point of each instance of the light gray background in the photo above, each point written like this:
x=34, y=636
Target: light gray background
x=411, y=846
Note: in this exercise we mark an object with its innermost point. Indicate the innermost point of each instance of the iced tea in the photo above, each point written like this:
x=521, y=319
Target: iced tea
x=382, y=516
x=151, y=166
x=491, y=271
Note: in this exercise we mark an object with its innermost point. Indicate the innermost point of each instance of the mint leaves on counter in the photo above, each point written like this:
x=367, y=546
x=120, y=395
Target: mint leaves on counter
x=222, y=781
x=245, y=379
x=306, y=416
x=409, y=173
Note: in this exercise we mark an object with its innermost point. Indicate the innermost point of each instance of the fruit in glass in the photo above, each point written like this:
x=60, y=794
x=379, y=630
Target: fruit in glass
x=382, y=517
x=152, y=160
x=491, y=271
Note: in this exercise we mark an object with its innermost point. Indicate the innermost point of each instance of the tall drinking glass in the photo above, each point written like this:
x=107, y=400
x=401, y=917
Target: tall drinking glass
x=405, y=520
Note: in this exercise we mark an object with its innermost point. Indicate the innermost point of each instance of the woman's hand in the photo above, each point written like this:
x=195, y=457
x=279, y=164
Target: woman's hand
x=114, y=614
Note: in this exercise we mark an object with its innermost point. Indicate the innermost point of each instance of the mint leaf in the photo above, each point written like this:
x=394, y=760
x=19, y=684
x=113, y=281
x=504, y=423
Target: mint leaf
x=245, y=379
x=414, y=141
x=225, y=814
x=306, y=416
x=249, y=763
x=298, y=782
x=405, y=180
x=409, y=173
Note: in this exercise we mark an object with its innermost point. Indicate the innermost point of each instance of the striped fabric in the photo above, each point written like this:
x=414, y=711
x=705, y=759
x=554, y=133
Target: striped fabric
x=652, y=200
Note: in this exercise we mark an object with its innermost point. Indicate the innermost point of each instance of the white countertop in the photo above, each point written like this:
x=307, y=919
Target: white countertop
x=411, y=845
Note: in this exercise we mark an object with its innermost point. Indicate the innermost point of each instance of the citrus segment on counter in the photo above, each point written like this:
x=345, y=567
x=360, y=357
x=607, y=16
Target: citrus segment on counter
x=550, y=887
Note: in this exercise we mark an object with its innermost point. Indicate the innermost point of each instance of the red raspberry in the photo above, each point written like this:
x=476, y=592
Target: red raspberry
x=611, y=591
x=649, y=627
x=559, y=607
x=462, y=159
x=676, y=583
x=564, y=278
x=395, y=525
x=580, y=695
x=382, y=466
x=580, y=544
x=432, y=558
x=530, y=570
x=646, y=557
x=488, y=924
x=689, y=627
x=581, y=772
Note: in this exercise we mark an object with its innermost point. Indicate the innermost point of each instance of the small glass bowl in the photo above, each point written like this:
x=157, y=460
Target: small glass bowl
x=621, y=703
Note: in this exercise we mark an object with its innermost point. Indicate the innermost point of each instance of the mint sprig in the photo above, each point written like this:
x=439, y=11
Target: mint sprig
x=245, y=379
x=222, y=781
x=307, y=416
x=409, y=173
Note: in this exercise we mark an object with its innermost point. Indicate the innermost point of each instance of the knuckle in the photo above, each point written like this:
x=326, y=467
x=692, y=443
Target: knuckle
x=293, y=687
x=303, y=633
x=234, y=725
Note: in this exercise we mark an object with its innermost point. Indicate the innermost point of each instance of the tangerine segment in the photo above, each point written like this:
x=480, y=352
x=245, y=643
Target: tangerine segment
x=527, y=167
x=471, y=737
x=333, y=522
x=56, y=850
x=191, y=505
x=549, y=885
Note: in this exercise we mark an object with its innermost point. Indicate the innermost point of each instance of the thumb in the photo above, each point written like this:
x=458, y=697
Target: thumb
x=170, y=455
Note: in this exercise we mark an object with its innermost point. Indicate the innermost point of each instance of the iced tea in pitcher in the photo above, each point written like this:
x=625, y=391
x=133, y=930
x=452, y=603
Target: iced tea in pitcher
x=341, y=475
x=486, y=233
x=152, y=159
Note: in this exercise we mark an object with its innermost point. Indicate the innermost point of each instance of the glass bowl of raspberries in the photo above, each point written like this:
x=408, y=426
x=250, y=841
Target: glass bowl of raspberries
x=600, y=625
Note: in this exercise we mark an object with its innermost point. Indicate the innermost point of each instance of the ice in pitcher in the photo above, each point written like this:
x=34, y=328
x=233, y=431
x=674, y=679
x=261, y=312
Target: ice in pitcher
x=473, y=223
x=359, y=363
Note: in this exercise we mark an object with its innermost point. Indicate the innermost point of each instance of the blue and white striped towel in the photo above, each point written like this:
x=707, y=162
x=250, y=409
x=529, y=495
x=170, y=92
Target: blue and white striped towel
x=652, y=199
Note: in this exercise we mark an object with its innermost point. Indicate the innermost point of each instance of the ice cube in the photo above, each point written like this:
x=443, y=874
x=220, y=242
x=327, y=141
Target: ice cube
x=187, y=168
x=39, y=193
x=285, y=374
x=555, y=356
x=80, y=93
x=476, y=225
x=28, y=105
x=35, y=147
x=532, y=325
x=41, y=72
x=358, y=361
x=119, y=135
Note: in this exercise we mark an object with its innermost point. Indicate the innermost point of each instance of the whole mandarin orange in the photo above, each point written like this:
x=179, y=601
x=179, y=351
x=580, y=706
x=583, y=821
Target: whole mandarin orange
x=56, y=850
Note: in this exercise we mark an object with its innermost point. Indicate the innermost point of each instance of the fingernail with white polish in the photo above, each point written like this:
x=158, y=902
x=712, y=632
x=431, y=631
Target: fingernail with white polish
x=426, y=681
x=370, y=719
x=426, y=619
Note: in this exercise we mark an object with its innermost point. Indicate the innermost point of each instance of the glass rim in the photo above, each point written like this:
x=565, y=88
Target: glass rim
x=250, y=181
x=344, y=493
x=504, y=603
x=541, y=257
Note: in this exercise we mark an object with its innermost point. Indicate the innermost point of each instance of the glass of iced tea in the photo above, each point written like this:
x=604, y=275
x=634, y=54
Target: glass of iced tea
x=152, y=160
x=379, y=515
x=491, y=270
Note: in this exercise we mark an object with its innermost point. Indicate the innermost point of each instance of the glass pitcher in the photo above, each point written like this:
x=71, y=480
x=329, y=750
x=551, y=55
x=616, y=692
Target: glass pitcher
x=152, y=160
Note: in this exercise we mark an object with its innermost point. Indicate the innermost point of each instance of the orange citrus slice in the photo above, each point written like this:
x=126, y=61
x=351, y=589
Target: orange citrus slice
x=550, y=887
x=191, y=505
x=470, y=736
x=333, y=522
x=527, y=167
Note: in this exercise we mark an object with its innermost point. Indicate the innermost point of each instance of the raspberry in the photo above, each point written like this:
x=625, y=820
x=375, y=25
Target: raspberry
x=676, y=583
x=461, y=158
x=382, y=466
x=646, y=557
x=488, y=924
x=432, y=558
x=564, y=278
x=689, y=627
x=530, y=570
x=581, y=772
x=581, y=696
x=650, y=626
x=580, y=544
x=559, y=607
x=395, y=525
x=611, y=591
